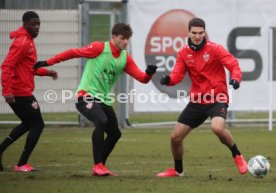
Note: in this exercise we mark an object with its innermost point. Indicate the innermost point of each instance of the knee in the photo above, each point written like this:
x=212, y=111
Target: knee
x=118, y=134
x=179, y=132
x=38, y=125
x=217, y=130
x=115, y=135
x=41, y=124
x=176, y=138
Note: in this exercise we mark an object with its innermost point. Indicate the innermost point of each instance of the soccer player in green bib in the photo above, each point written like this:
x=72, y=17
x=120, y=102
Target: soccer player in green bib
x=107, y=60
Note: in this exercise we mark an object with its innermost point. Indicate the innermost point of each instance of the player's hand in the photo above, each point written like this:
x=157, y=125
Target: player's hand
x=235, y=84
x=165, y=79
x=53, y=74
x=151, y=69
x=40, y=64
x=9, y=98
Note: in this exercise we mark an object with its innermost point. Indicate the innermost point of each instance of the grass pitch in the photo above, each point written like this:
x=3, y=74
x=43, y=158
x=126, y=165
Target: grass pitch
x=64, y=157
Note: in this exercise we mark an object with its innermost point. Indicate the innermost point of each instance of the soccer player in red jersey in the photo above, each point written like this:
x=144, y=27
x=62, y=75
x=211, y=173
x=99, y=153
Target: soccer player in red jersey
x=107, y=61
x=17, y=88
x=205, y=62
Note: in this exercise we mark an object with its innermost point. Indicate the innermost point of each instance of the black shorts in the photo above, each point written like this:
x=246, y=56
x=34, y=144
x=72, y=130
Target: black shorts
x=26, y=108
x=195, y=114
x=97, y=112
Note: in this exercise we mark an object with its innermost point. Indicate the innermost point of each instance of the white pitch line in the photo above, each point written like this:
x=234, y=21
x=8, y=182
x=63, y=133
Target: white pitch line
x=82, y=140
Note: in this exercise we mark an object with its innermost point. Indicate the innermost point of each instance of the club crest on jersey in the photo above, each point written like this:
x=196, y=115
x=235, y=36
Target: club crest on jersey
x=35, y=105
x=206, y=57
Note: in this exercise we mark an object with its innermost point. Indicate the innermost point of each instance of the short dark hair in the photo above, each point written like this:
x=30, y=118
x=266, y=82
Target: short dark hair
x=122, y=29
x=196, y=22
x=28, y=15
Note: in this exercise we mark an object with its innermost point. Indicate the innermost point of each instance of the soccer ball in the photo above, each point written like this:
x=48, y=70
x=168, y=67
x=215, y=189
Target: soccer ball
x=258, y=166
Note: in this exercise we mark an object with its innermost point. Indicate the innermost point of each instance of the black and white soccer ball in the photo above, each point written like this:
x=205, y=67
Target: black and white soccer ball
x=258, y=166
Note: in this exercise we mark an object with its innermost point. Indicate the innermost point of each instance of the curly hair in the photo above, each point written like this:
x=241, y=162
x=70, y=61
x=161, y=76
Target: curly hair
x=122, y=29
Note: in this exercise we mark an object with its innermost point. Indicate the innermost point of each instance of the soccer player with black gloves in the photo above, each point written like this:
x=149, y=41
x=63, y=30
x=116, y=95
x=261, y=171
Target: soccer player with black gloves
x=205, y=62
x=107, y=60
x=151, y=69
x=235, y=84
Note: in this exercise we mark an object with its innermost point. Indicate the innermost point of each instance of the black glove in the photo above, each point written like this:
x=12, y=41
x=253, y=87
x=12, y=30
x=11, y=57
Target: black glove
x=235, y=84
x=40, y=64
x=165, y=79
x=151, y=69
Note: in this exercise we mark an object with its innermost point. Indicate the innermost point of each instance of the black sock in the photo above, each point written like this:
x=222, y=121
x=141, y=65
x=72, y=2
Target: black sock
x=234, y=150
x=178, y=166
x=6, y=143
x=16, y=132
x=31, y=141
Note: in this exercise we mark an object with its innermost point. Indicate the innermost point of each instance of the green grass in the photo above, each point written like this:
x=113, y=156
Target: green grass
x=135, y=117
x=64, y=157
x=72, y=116
x=173, y=116
x=152, y=117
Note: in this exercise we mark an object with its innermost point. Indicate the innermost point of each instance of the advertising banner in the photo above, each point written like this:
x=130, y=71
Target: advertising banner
x=246, y=28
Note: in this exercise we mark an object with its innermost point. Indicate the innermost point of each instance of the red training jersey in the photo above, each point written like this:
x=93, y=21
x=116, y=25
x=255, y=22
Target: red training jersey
x=206, y=70
x=17, y=69
x=95, y=49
